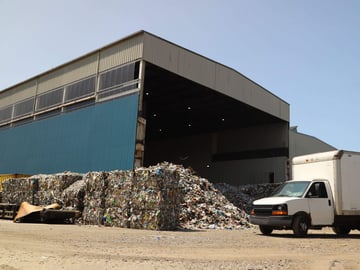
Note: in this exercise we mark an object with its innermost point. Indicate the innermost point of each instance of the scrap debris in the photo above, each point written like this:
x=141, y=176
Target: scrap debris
x=204, y=206
x=50, y=213
x=161, y=197
x=242, y=196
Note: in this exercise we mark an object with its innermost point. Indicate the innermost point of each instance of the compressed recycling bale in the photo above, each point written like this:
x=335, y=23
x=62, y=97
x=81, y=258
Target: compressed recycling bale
x=38, y=189
x=50, y=187
x=153, y=220
x=17, y=190
x=116, y=217
x=94, y=202
x=117, y=198
x=73, y=196
x=119, y=186
x=148, y=198
x=155, y=203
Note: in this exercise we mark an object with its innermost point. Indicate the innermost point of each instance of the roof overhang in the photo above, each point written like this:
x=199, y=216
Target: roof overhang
x=212, y=75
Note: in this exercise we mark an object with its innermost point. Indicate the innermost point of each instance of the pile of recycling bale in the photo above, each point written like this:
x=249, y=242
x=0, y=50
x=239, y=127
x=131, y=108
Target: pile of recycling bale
x=161, y=197
x=39, y=189
x=147, y=198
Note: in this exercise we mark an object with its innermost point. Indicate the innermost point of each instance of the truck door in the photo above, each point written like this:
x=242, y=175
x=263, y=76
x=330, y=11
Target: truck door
x=320, y=205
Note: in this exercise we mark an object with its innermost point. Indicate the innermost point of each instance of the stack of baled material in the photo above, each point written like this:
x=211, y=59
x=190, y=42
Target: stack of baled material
x=73, y=196
x=42, y=189
x=147, y=198
x=94, y=202
x=118, y=198
x=160, y=197
x=51, y=186
x=157, y=196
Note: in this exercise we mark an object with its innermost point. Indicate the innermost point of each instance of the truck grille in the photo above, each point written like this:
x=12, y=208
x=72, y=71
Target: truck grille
x=262, y=210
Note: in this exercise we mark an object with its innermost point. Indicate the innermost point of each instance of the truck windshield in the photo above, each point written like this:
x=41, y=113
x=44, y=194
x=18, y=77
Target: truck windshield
x=291, y=189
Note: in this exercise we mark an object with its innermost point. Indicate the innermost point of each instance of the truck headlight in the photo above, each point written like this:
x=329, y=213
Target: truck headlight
x=280, y=210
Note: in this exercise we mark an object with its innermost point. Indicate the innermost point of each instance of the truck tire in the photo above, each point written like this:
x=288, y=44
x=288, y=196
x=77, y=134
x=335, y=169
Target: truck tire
x=341, y=230
x=300, y=225
x=265, y=229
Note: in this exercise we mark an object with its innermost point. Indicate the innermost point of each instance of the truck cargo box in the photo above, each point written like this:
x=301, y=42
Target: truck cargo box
x=342, y=170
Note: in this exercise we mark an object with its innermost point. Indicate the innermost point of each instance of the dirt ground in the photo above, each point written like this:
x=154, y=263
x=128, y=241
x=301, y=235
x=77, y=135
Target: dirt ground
x=43, y=246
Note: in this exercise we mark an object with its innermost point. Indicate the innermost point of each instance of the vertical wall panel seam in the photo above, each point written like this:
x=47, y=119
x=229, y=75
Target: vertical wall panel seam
x=97, y=79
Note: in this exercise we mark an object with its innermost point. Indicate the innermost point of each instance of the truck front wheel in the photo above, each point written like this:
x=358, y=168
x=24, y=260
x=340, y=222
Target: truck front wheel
x=341, y=230
x=300, y=225
x=265, y=229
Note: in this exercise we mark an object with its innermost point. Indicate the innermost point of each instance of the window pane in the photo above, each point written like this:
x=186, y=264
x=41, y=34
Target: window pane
x=50, y=99
x=117, y=76
x=24, y=107
x=80, y=89
x=5, y=114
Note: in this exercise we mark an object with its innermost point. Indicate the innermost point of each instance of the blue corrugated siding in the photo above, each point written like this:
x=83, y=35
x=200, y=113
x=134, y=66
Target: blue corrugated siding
x=100, y=137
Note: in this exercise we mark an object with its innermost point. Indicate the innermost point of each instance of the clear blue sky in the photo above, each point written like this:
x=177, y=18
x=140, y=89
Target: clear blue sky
x=306, y=52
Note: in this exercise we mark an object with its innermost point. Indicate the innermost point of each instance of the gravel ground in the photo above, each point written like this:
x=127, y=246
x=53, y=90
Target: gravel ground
x=43, y=246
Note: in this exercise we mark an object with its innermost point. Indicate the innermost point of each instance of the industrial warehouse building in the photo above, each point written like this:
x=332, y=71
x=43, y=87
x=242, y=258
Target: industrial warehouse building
x=140, y=101
x=304, y=144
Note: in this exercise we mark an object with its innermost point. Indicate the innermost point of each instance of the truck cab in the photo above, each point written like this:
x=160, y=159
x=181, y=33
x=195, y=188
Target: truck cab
x=297, y=205
x=324, y=192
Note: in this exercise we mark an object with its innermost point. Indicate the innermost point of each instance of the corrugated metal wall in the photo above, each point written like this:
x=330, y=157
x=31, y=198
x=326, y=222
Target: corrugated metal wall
x=18, y=93
x=121, y=53
x=100, y=137
x=303, y=144
x=67, y=74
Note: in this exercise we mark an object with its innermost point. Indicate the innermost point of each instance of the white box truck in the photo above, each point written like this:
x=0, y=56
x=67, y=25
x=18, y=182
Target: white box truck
x=324, y=192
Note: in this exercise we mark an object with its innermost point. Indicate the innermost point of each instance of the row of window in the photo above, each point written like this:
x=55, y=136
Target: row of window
x=111, y=83
x=66, y=94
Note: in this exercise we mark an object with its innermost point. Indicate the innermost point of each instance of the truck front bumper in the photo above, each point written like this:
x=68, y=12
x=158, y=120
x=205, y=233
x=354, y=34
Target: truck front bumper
x=275, y=221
